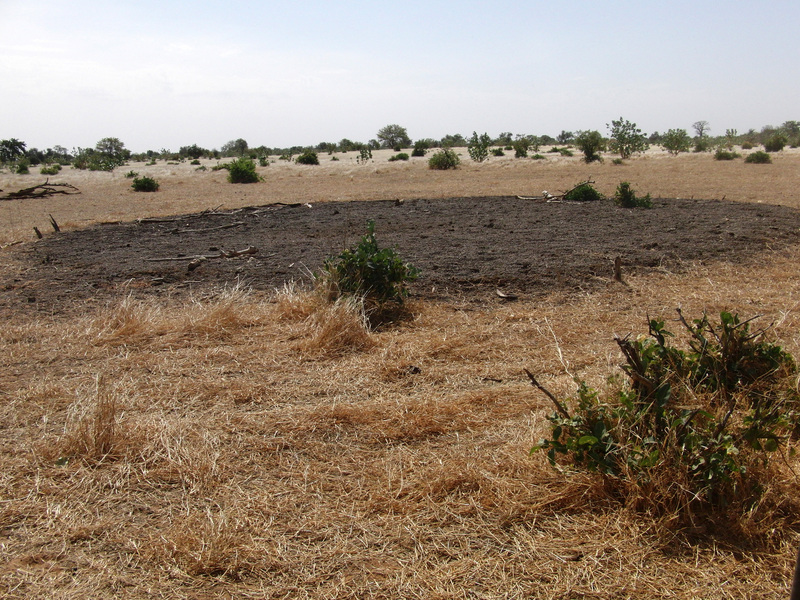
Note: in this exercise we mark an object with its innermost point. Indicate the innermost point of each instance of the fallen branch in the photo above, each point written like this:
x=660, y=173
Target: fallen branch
x=201, y=257
x=228, y=226
x=548, y=197
x=8, y=245
x=42, y=190
x=559, y=407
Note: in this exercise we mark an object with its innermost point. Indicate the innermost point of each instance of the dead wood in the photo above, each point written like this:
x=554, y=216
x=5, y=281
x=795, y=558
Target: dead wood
x=548, y=197
x=56, y=228
x=206, y=229
x=42, y=190
x=37, y=232
x=559, y=407
x=200, y=257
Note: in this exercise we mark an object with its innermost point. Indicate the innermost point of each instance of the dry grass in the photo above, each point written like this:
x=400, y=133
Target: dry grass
x=253, y=446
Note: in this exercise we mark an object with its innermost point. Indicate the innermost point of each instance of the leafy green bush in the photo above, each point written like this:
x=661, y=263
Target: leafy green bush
x=399, y=156
x=625, y=197
x=566, y=152
x=702, y=144
x=521, y=146
x=722, y=154
x=22, y=166
x=194, y=161
x=309, y=157
x=242, y=170
x=538, y=157
x=444, y=159
x=364, y=155
x=591, y=143
x=50, y=169
x=498, y=152
x=131, y=174
x=758, y=157
x=676, y=141
x=478, y=146
x=617, y=161
x=747, y=145
x=263, y=161
x=626, y=138
x=376, y=275
x=420, y=148
x=693, y=429
x=583, y=192
x=775, y=143
x=144, y=184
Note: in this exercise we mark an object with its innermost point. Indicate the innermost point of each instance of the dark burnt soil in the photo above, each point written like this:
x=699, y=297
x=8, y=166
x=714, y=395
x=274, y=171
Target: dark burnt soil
x=466, y=248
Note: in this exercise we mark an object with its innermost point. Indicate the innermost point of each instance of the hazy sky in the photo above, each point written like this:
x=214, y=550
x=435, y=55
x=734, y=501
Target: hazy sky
x=164, y=74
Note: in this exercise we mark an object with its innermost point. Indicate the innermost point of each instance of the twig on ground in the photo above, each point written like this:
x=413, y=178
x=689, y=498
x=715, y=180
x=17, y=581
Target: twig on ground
x=42, y=190
x=559, y=407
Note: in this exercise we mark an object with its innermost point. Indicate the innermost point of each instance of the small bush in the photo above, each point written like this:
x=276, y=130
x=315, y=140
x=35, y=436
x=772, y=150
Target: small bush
x=263, y=161
x=521, y=147
x=399, y=156
x=583, y=192
x=242, y=170
x=498, y=152
x=194, y=162
x=625, y=197
x=364, y=155
x=131, y=174
x=692, y=430
x=334, y=158
x=309, y=157
x=758, y=157
x=591, y=143
x=144, y=184
x=722, y=154
x=747, y=146
x=220, y=167
x=420, y=149
x=201, y=168
x=702, y=144
x=478, y=146
x=50, y=169
x=538, y=157
x=566, y=152
x=775, y=143
x=617, y=161
x=444, y=159
x=376, y=275
x=22, y=167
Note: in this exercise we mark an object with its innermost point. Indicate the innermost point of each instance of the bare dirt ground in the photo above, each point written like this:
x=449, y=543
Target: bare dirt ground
x=163, y=436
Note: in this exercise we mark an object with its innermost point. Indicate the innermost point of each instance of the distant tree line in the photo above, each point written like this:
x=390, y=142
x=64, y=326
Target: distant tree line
x=623, y=137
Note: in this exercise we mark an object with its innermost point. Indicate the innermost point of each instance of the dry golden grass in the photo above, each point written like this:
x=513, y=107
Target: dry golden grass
x=240, y=445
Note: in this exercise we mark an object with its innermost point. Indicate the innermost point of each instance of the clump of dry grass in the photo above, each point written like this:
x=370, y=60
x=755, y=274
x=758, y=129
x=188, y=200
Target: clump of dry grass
x=337, y=328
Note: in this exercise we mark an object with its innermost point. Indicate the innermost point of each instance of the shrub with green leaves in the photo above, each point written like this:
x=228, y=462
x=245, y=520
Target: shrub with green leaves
x=758, y=157
x=626, y=138
x=131, y=174
x=309, y=157
x=591, y=143
x=676, y=141
x=775, y=143
x=498, y=152
x=22, y=166
x=583, y=192
x=399, y=156
x=242, y=170
x=144, y=184
x=444, y=159
x=625, y=197
x=722, y=154
x=692, y=428
x=478, y=146
x=50, y=169
x=376, y=275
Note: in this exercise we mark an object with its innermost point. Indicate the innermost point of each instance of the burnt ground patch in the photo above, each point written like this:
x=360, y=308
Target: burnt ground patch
x=464, y=247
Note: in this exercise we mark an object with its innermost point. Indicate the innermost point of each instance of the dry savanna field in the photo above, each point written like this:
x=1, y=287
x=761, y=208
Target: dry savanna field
x=215, y=435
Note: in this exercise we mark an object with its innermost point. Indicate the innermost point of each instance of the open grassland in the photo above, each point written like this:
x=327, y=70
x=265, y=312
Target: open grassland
x=265, y=445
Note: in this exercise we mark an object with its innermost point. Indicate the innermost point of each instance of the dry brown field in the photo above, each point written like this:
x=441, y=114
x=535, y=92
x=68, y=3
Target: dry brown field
x=235, y=443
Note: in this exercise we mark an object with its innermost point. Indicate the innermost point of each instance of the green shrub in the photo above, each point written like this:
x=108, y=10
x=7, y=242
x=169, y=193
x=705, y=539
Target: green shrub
x=722, y=154
x=676, y=141
x=498, y=152
x=758, y=157
x=364, y=155
x=521, y=146
x=747, y=145
x=131, y=174
x=693, y=429
x=420, y=148
x=376, y=275
x=625, y=197
x=554, y=150
x=309, y=157
x=263, y=161
x=399, y=156
x=144, y=184
x=201, y=168
x=50, y=169
x=538, y=157
x=478, y=146
x=242, y=170
x=702, y=144
x=444, y=159
x=334, y=158
x=591, y=143
x=626, y=138
x=617, y=161
x=566, y=152
x=22, y=166
x=583, y=192
x=775, y=143
x=194, y=162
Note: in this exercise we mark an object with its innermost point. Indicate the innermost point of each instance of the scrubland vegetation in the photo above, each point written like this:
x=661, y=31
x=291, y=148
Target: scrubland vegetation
x=292, y=444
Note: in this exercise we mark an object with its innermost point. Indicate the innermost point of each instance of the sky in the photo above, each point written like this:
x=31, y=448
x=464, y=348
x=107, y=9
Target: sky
x=161, y=74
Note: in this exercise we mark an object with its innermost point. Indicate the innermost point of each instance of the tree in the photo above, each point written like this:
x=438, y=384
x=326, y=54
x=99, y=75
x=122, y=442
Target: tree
x=10, y=150
x=701, y=128
x=478, y=146
x=591, y=143
x=453, y=140
x=504, y=139
x=393, y=136
x=234, y=147
x=626, y=138
x=112, y=152
x=565, y=137
x=194, y=151
x=676, y=141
